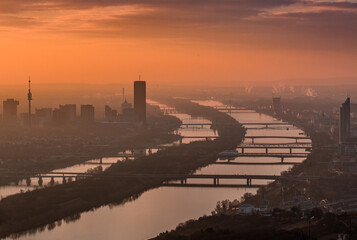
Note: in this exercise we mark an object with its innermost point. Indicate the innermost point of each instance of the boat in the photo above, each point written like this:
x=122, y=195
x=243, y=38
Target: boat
x=228, y=154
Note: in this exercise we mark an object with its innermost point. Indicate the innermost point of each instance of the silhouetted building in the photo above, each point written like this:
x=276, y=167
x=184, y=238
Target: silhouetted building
x=125, y=105
x=10, y=111
x=43, y=116
x=140, y=100
x=277, y=105
x=70, y=112
x=110, y=114
x=345, y=121
x=87, y=113
x=59, y=117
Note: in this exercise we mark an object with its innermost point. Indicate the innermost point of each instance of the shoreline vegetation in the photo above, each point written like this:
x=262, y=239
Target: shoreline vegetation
x=44, y=207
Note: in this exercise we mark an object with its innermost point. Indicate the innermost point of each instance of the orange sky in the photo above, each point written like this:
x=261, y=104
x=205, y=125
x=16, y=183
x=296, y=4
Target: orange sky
x=176, y=40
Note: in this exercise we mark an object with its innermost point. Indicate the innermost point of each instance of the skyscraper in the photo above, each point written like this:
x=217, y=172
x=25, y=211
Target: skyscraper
x=345, y=121
x=10, y=111
x=140, y=100
x=87, y=113
x=277, y=105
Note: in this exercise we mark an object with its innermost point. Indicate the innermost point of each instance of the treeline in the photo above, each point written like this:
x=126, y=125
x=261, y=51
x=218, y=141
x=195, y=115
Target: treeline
x=36, y=209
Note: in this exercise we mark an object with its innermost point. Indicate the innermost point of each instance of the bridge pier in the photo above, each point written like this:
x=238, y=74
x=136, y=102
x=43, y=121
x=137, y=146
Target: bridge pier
x=28, y=181
x=52, y=182
x=40, y=181
x=64, y=180
x=249, y=182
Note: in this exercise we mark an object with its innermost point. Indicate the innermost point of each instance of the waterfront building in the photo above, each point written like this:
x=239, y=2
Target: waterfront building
x=140, y=100
x=87, y=113
x=345, y=121
x=10, y=111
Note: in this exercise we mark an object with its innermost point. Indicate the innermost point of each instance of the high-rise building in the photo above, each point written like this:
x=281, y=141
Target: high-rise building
x=10, y=111
x=87, y=113
x=70, y=112
x=140, y=100
x=276, y=105
x=345, y=121
x=111, y=115
x=43, y=116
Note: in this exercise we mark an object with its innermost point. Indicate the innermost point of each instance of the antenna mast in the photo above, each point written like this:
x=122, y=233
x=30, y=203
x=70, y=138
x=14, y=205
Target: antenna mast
x=29, y=98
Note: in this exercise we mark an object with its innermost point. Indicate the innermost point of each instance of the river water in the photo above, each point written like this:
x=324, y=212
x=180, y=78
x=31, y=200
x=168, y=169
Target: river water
x=163, y=208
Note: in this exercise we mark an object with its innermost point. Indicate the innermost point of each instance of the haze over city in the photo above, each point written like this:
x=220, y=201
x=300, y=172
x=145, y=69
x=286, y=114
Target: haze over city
x=178, y=119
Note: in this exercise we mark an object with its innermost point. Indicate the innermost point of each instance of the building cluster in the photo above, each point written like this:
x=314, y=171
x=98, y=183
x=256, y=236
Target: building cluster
x=128, y=113
x=67, y=114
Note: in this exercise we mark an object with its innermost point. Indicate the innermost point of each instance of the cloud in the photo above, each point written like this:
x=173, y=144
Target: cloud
x=275, y=23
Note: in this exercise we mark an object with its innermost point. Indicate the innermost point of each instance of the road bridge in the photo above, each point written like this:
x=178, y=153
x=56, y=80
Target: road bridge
x=164, y=177
x=256, y=163
x=296, y=138
x=266, y=124
x=305, y=146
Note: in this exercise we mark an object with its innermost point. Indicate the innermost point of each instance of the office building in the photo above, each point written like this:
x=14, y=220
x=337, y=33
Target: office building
x=140, y=100
x=87, y=113
x=70, y=112
x=43, y=117
x=10, y=111
x=345, y=121
x=277, y=105
x=110, y=114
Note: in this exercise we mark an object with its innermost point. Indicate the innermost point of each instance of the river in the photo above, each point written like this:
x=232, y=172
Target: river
x=163, y=208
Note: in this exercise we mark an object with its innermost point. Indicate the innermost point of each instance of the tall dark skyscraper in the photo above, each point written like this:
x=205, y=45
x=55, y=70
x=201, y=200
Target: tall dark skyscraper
x=345, y=121
x=140, y=100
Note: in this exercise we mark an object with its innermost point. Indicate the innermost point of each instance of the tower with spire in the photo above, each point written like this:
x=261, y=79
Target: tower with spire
x=29, y=98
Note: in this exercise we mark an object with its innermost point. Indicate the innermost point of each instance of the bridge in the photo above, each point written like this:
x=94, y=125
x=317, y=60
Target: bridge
x=282, y=156
x=256, y=163
x=305, y=146
x=266, y=124
x=279, y=137
x=166, y=178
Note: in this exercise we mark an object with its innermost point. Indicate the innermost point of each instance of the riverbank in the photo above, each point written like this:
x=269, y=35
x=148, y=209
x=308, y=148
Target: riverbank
x=45, y=150
x=46, y=206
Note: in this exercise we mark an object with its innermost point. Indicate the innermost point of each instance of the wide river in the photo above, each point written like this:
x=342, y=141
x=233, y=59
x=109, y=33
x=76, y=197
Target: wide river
x=163, y=208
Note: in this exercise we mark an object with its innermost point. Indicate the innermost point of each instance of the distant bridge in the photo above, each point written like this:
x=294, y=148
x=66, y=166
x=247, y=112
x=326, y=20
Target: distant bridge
x=164, y=177
x=255, y=163
x=296, y=138
x=244, y=124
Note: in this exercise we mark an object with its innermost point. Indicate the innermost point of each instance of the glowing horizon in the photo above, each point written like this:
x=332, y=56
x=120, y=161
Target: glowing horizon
x=177, y=41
